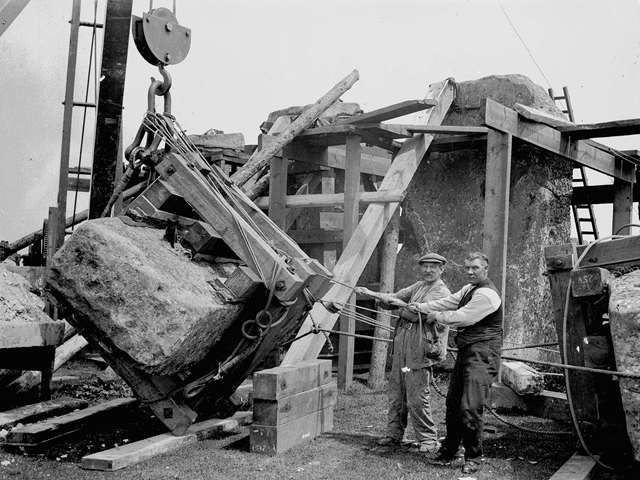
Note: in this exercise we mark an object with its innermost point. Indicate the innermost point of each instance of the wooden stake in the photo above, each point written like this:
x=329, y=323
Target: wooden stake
x=351, y=217
x=387, y=277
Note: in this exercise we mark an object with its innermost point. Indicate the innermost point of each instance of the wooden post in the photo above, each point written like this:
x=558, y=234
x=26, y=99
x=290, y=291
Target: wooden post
x=53, y=233
x=328, y=185
x=622, y=206
x=109, y=109
x=351, y=217
x=278, y=191
x=387, y=276
x=496, y=208
x=560, y=261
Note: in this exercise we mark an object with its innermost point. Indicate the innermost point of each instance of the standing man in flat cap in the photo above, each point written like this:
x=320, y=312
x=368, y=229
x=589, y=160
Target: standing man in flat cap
x=475, y=311
x=416, y=347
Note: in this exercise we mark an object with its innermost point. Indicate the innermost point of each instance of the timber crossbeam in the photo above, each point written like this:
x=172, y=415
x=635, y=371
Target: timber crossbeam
x=551, y=139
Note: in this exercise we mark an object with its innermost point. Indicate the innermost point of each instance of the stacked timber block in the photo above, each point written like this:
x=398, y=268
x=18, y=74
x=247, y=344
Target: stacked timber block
x=291, y=404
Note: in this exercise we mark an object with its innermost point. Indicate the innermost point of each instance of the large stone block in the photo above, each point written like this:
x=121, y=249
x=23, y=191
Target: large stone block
x=624, y=315
x=445, y=204
x=144, y=296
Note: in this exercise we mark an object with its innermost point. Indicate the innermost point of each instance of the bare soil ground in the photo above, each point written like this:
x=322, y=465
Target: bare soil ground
x=349, y=451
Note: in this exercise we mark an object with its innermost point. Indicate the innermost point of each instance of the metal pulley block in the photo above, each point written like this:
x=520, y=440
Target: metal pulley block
x=160, y=39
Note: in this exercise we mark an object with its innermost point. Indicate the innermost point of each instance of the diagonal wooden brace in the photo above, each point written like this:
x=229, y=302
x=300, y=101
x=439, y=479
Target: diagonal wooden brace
x=369, y=231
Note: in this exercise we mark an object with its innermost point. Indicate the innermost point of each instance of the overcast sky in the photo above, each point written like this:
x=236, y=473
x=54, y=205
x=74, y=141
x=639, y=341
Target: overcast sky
x=251, y=57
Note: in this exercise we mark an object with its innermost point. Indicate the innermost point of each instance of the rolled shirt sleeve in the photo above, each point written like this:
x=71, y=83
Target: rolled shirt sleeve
x=448, y=302
x=484, y=302
x=406, y=293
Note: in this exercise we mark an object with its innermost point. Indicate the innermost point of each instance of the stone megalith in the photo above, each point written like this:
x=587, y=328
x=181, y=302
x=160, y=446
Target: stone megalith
x=443, y=211
x=624, y=317
x=145, y=297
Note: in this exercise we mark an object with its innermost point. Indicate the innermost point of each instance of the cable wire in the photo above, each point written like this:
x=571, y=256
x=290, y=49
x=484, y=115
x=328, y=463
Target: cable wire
x=524, y=44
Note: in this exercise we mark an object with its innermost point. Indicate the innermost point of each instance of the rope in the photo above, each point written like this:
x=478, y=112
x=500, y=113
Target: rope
x=524, y=43
x=525, y=429
x=566, y=366
x=504, y=420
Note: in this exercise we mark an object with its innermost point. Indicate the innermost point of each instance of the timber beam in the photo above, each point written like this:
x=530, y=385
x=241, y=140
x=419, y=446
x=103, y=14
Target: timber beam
x=599, y=194
x=390, y=112
x=615, y=128
x=373, y=162
x=320, y=200
x=552, y=140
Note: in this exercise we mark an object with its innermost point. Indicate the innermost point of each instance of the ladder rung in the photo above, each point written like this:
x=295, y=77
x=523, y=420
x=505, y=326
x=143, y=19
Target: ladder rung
x=82, y=104
x=80, y=170
x=587, y=233
x=90, y=24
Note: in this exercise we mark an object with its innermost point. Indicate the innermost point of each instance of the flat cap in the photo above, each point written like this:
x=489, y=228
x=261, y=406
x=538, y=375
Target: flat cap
x=432, y=257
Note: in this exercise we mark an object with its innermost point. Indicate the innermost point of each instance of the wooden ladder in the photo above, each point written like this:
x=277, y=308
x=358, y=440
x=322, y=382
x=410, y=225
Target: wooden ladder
x=583, y=215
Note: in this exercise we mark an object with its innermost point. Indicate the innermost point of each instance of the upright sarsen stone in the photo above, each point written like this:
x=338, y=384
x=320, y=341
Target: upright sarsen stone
x=624, y=317
x=445, y=205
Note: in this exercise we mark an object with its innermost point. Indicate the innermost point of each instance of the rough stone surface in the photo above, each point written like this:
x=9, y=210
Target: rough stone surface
x=624, y=315
x=17, y=301
x=149, y=299
x=445, y=205
x=17, y=304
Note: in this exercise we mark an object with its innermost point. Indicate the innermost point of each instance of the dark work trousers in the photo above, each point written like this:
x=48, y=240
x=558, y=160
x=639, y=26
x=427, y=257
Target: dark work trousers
x=475, y=369
x=409, y=396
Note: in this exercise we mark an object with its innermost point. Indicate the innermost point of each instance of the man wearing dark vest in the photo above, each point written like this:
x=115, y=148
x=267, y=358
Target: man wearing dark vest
x=475, y=310
x=416, y=348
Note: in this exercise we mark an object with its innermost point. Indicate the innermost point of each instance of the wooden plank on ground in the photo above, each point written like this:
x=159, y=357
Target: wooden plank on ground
x=136, y=452
x=271, y=440
x=288, y=409
x=38, y=411
x=279, y=382
x=38, y=433
x=583, y=152
x=365, y=238
x=31, y=334
x=578, y=467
